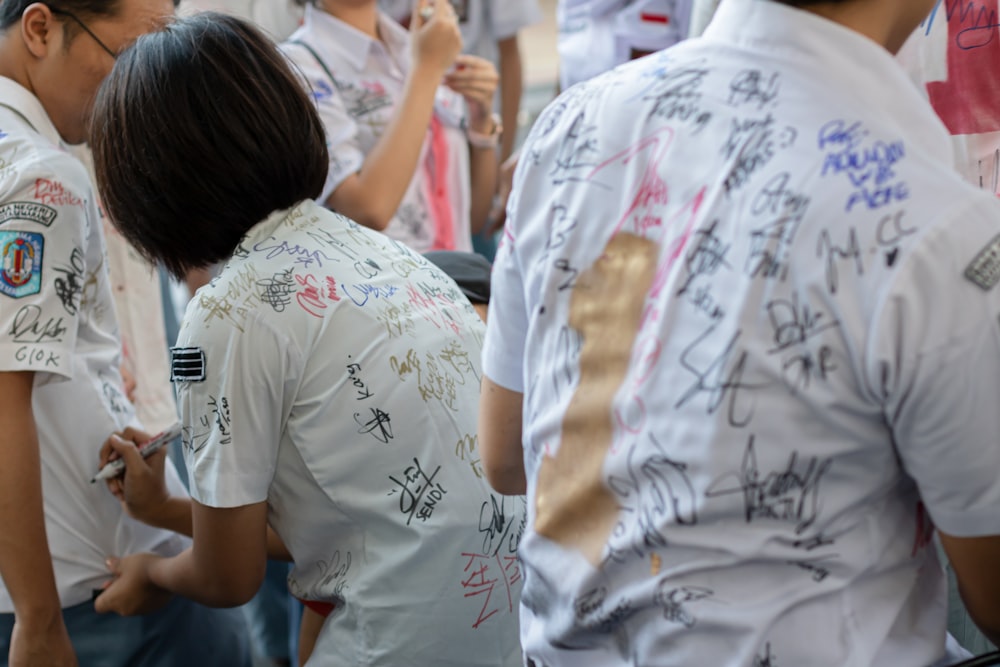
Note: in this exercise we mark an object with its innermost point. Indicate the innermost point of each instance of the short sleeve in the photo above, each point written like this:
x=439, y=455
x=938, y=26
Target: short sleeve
x=346, y=156
x=937, y=346
x=45, y=224
x=508, y=17
x=507, y=320
x=233, y=388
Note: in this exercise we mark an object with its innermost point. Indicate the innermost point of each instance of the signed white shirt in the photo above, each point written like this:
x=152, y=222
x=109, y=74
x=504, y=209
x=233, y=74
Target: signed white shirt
x=356, y=89
x=341, y=381
x=754, y=317
x=57, y=319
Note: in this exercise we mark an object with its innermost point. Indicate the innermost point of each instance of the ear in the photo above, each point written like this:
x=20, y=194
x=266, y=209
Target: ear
x=40, y=30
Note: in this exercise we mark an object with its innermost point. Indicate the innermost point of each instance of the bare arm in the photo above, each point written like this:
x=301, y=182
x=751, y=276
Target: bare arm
x=976, y=561
x=40, y=636
x=144, y=495
x=372, y=196
x=500, y=438
x=511, y=88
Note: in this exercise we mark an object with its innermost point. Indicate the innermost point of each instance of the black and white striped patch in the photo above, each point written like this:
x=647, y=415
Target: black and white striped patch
x=187, y=364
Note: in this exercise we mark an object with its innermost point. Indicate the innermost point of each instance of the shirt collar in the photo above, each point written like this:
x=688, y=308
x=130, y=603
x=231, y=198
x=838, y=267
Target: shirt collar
x=23, y=102
x=858, y=63
x=351, y=44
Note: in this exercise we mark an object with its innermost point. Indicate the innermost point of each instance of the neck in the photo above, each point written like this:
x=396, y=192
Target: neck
x=886, y=22
x=363, y=17
x=12, y=52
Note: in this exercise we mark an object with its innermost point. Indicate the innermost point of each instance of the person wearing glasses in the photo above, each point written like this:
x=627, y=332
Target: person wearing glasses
x=60, y=383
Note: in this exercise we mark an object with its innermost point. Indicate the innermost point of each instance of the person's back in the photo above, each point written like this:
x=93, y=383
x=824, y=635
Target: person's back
x=756, y=371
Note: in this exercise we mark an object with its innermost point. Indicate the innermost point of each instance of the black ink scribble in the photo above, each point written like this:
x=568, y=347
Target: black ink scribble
x=833, y=254
x=676, y=602
x=706, y=256
x=721, y=379
x=278, y=290
x=222, y=418
x=751, y=86
x=577, y=150
x=69, y=282
x=418, y=492
x=377, y=424
x=676, y=95
x=656, y=493
x=816, y=567
x=770, y=244
x=789, y=494
x=765, y=660
x=497, y=527
x=28, y=327
x=794, y=322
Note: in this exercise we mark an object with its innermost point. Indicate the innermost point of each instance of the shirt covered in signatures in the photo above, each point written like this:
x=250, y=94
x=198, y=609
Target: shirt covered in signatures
x=356, y=83
x=753, y=314
x=57, y=319
x=338, y=381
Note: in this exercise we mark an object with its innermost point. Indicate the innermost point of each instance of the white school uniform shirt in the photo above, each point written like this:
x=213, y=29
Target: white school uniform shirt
x=356, y=87
x=753, y=314
x=278, y=18
x=57, y=319
x=595, y=36
x=334, y=374
x=483, y=22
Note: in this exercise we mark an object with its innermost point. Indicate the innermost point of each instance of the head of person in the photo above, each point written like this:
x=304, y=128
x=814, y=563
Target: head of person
x=61, y=50
x=201, y=131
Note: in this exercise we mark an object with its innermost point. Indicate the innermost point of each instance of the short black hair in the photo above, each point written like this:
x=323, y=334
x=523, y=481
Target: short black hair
x=12, y=10
x=200, y=132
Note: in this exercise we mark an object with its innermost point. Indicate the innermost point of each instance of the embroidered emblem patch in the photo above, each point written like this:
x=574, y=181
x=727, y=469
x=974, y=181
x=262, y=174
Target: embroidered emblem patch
x=187, y=364
x=28, y=210
x=21, y=263
x=985, y=268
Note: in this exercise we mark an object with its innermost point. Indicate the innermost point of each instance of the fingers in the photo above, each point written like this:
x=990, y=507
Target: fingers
x=125, y=449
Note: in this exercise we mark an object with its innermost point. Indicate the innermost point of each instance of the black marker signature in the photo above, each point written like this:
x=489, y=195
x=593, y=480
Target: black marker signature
x=29, y=328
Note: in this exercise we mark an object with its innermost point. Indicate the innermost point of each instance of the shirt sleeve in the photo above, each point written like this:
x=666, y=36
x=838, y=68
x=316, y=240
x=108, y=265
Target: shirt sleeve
x=508, y=17
x=44, y=226
x=234, y=390
x=936, y=352
x=346, y=156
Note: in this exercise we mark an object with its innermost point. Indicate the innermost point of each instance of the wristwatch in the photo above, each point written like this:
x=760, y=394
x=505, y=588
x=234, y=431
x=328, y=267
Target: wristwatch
x=489, y=139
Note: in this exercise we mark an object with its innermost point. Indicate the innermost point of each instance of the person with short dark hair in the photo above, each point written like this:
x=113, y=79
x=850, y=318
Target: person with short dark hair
x=60, y=359
x=326, y=377
x=743, y=355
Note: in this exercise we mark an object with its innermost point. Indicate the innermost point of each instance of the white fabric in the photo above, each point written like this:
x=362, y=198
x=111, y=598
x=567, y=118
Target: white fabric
x=278, y=18
x=811, y=368
x=356, y=108
x=342, y=372
x=483, y=22
x=595, y=36
x=66, y=333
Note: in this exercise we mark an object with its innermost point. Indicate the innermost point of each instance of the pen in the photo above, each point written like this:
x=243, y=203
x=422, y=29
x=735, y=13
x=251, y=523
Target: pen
x=147, y=449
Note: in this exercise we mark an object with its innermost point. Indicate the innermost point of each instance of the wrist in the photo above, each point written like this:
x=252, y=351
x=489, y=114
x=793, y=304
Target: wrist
x=39, y=616
x=486, y=133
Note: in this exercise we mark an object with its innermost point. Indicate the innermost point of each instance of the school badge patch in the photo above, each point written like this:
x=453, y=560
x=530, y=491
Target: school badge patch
x=984, y=270
x=21, y=263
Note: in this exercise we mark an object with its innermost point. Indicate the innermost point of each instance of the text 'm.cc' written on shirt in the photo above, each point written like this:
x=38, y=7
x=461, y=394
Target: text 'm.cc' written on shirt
x=334, y=373
x=754, y=317
x=356, y=82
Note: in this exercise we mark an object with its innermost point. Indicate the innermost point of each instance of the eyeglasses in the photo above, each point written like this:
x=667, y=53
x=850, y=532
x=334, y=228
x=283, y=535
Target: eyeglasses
x=76, y=19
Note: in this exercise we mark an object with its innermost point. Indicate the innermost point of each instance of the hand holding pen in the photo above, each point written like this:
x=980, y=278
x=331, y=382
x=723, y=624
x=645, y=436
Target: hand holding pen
x=142, y=489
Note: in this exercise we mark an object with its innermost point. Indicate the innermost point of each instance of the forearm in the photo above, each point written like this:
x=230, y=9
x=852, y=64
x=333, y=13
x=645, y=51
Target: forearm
x=373, y=196
x=181, y=575
x=483, y=166
x=174, y=515
x=25, y=561
x=511, y=89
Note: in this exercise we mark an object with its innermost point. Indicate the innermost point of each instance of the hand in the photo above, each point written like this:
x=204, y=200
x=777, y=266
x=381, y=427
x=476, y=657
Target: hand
x=476, y=80
x=46, y=645
x=505, y=183
x=436, y=41
x=142, y=490
x=131, y=592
